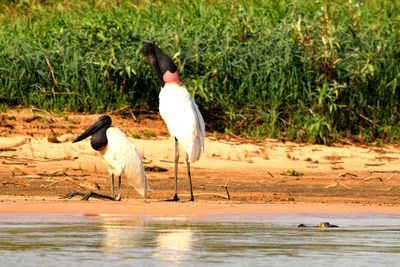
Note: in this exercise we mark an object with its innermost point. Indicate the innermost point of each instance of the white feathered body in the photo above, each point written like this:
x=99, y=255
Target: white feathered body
x=121, y=156
x=183, y=119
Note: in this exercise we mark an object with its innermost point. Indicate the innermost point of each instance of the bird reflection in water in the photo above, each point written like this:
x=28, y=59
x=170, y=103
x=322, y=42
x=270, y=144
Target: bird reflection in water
x=119, y=234
x=165, y=241
x=174, y=244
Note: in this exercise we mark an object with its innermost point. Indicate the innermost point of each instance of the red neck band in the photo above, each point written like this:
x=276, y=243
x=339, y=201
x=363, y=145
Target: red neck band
x=169, y=77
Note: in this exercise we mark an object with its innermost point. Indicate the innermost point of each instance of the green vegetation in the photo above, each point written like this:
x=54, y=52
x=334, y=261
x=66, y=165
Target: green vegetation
x=294, y=173
x=136, y=136
x=307, y=70
x=149, y=133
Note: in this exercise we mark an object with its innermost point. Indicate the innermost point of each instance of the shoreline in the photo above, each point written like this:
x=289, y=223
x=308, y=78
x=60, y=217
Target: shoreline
x=160, y=208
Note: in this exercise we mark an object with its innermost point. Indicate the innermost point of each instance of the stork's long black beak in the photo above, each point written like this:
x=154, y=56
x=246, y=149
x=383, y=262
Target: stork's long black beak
x=149, y=52
x=102, y=122
x=154, y=65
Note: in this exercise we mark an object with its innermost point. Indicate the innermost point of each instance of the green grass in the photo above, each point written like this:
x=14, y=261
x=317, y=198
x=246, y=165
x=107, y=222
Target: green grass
x=149, y=133
x=304, y=70
x=136, y=136
x=294, y=173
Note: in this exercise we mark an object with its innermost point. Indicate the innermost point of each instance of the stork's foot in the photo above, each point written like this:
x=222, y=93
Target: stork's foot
x=89, y=195
x=96, y=195
x=72, y=194
x=175, y=198
x=189, y=200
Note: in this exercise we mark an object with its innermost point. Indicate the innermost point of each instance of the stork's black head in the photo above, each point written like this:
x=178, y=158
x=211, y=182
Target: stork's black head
x=98, y=132
x=165, y=69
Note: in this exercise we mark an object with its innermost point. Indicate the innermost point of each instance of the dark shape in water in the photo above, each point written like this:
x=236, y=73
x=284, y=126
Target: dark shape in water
x=320, y=225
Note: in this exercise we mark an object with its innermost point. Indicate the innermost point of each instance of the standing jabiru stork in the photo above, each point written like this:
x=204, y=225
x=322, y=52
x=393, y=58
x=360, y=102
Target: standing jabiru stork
x=178, y=110
x=120, y=156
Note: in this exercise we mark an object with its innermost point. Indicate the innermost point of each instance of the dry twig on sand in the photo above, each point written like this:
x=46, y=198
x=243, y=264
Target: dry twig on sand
x=386, y=189
x=394, y=171
x=58, y=172
x=20, y=170
x=11, y=147
x=88, y=187
x=227, y=196
x=207, y=194
x=16, y=183
x=345, y=186
x=347, y=173
x=28, y=176
x=372, y=178
x=374, y=164
x=336, y=184
x=331, y=185
x=226, y=188
x=388, y=179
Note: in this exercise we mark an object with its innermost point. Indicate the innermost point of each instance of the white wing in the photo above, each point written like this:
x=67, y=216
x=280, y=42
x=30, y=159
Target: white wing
x=120, y=156
x=183, y=119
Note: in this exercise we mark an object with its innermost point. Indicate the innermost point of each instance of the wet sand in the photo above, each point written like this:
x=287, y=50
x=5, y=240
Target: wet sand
x=155, y=208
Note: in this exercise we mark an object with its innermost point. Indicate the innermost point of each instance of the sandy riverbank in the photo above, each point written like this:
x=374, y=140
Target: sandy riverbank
x=264, y=174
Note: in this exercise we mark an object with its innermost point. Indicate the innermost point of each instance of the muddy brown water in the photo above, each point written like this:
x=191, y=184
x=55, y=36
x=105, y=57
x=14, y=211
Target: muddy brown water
x=230, y=239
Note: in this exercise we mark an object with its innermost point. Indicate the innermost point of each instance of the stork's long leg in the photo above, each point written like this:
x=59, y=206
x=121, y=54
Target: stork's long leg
x=176, y=170
x=112, y=186
x=176, y=198
x=119, y=189
x=190, y=178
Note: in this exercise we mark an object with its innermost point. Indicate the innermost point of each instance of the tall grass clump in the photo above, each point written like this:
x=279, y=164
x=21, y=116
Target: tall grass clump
x=305, y=70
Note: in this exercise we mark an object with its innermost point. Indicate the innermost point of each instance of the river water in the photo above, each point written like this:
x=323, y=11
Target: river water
x=237, y=239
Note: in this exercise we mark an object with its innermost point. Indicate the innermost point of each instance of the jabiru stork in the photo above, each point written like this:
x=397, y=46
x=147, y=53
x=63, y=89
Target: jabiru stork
x=120, y=156
x=178, y=110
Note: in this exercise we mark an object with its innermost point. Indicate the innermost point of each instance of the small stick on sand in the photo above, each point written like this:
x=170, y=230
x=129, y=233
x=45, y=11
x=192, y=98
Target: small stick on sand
x=331, y=185
x=226, y=188
x=14, y=163
x=388, y=179
x=270, y=174
x=16, y=183
x=394, y=171
x=374, y=164
x=228, y=196
x=347, y=173
x=63, y=172
x=20, y=170
x=133, y=115
x=207, y=194
x=371, y=178
x=345, y=186
x=28, y=176
x=386, y=189
x=68, y=180
x=10, y=147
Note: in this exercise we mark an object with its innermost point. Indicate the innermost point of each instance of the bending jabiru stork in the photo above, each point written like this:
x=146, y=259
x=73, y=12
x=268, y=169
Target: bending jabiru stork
x=178, y=110
x=120, y=156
